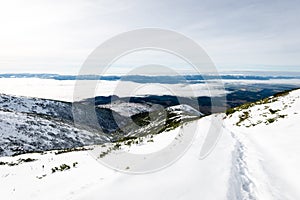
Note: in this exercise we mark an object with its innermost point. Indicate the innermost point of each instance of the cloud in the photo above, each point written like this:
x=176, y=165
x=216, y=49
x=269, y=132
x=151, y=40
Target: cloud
x=57, y=36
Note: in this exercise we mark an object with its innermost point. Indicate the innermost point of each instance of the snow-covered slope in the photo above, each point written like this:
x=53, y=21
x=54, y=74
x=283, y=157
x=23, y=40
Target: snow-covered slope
x=33, y=124
x=21, y=133
x=127, y=109
x=63, y=111
x=189, y=178
x=267, y=147
x=256, y=157
x=186, y=110
x=52, y=108
x=160, y=120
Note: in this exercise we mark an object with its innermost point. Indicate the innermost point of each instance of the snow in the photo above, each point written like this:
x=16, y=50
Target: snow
x=32, y=124
x=272, y=149
x=254, y=159
x=21, y=133
x=188, y=178
x=183, y=108
x=32, y=105
x=127, y=109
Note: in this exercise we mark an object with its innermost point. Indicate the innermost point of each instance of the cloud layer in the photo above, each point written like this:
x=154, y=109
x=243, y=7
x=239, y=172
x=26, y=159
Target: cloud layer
x=57, y=36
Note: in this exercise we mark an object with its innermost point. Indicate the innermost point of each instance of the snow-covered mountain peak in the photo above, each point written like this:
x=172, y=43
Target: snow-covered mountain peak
x=186, y=109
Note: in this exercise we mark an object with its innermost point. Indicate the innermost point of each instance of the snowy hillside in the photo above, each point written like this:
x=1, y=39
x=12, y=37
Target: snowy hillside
x=127, y=109
x=52, y=108
x=256, y=157
x=21, y=133
x=33, y=124
x=267, y=140
x=63, y=111
x=160, y=120
x=189, y=178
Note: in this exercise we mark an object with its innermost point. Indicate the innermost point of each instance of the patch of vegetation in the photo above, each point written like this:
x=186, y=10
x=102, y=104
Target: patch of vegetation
x=75, y=164
x=61, y=168
x=283, y=93
x=246, y=106
x=282, y=116
x=243, y=117
x=126, y=139
x=19, y=161
x=273, y=111
x=102, y=154
x=142, y=119
x=230, y=111
x=129, y=142
x=27, y=152
x=117, y=146
x=72, y=150
x=26, y=160
x=271, y=120
x=40, y=177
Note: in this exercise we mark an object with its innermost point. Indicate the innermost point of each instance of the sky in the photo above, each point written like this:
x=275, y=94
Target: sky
x=56, y=36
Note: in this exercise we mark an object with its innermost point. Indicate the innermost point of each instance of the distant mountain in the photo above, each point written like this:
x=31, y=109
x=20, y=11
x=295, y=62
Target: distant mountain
x=62, y=111
x=33, y=124
x=236, y=95
x=190, y=79
x=24, y=132
x=160, y=120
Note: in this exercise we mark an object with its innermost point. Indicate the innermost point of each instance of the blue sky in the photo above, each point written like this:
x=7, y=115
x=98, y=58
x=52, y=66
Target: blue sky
x=57, y=36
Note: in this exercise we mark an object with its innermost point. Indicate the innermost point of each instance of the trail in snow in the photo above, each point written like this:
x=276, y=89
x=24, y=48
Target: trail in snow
x=249, y=180
x=267, y=148
x=242, y=186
